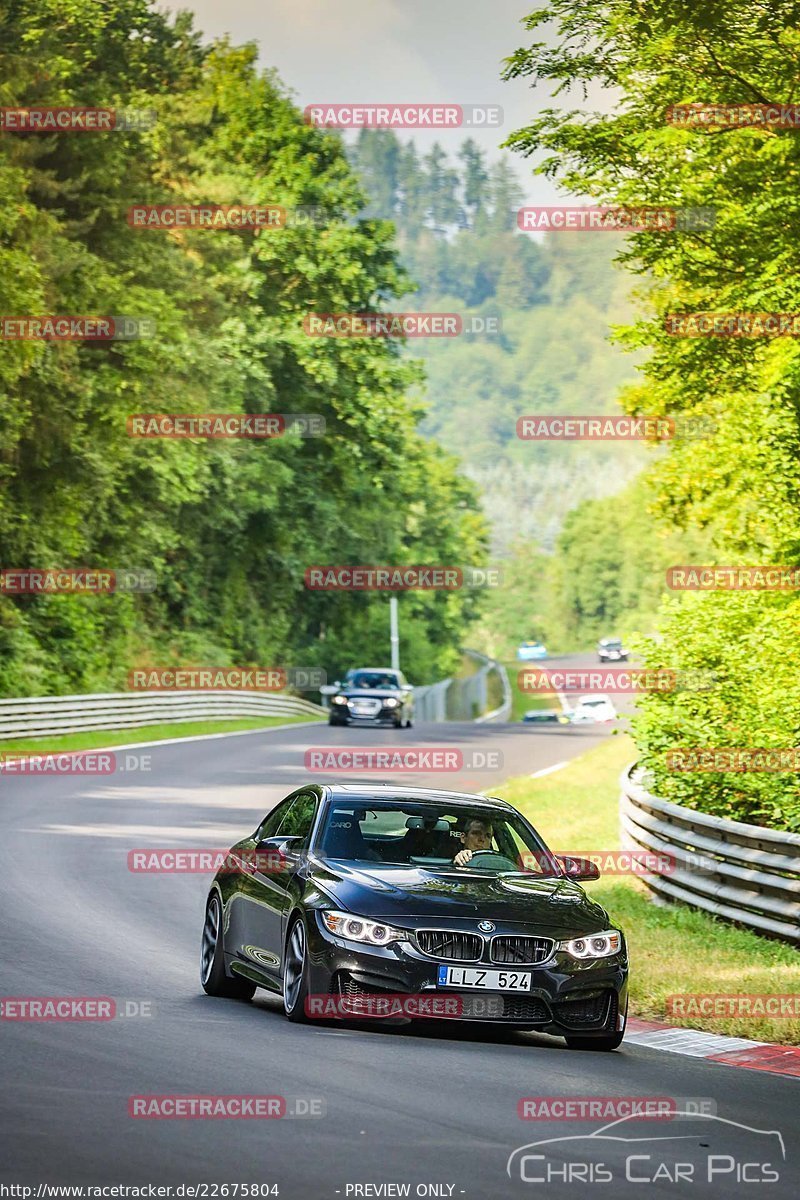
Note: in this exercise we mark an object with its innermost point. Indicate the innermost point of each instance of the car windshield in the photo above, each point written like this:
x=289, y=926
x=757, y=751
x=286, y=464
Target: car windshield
x=410, y=833
x=611, y=644
x=372, y=679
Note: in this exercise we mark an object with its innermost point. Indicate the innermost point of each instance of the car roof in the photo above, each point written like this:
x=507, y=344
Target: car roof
x=385, y=790
x=386, y=670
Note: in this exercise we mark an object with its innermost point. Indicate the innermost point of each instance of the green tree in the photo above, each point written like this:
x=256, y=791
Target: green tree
x=742, y=483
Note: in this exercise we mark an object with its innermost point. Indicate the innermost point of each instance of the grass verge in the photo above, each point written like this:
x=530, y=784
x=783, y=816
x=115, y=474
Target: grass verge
x=673, y=949
x=94, y=739
x=522, y=702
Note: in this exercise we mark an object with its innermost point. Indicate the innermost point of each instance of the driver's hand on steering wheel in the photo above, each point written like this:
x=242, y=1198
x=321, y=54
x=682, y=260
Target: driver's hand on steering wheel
x=462, y=858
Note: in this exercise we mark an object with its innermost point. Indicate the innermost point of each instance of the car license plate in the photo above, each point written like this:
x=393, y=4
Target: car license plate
x=476, y=977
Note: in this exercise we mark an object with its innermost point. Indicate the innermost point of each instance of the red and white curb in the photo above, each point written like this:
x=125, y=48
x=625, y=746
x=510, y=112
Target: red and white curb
x=731, y=1051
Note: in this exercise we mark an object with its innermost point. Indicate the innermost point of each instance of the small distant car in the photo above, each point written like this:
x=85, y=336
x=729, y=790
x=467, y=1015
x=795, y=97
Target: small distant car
x=373, y=696
x=611, y=650
x=530, y=651
x=541, y=716
x=594, y=709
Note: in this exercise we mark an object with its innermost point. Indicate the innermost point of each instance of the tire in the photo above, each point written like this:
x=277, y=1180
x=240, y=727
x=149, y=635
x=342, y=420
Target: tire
x=213, y=978
x=333, y=721
x=296, y=973
x=409, y=723
x=605, y=1042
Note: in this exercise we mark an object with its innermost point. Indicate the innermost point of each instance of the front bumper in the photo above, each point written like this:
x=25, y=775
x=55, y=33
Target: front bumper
x=566, y=995
x=344, y=715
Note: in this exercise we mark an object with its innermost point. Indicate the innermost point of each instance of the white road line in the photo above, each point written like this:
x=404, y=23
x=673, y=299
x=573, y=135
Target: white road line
x=548, y=770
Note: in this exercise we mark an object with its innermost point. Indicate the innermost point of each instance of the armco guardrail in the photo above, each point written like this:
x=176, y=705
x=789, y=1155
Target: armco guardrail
x=464, y=698
x=41, y=716
x=744, y=873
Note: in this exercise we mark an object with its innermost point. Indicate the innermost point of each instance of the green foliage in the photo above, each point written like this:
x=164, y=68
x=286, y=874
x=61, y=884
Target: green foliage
x=740, y=486
x=228, y=527
x=556, y=299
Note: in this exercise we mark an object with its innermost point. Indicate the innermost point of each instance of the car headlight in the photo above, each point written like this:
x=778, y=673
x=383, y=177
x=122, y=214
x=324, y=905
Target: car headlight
x=338, y=699
x=594, y=945
x=359, y=929
x=390, y=702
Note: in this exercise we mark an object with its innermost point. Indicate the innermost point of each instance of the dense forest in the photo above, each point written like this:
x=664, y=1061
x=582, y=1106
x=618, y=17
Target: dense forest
x=228, y=527
x=556, y=298
x=736, y=491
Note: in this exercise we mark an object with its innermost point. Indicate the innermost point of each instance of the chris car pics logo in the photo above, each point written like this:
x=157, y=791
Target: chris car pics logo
x=695, y=1148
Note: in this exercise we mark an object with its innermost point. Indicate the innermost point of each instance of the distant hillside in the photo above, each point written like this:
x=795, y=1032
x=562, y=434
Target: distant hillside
x=556, y=300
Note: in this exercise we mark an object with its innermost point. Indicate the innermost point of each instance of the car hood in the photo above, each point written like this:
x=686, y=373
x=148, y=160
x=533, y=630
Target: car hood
x=393, y=893
x=368, y=693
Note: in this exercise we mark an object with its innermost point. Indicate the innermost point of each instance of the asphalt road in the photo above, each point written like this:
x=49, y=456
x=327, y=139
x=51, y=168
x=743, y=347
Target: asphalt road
x=433, y=1107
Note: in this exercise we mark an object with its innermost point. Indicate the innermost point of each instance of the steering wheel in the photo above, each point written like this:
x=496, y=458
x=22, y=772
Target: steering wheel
x=503, y=862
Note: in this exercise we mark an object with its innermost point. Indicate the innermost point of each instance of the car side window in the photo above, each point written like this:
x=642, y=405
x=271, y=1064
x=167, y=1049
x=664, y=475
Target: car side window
x=299, y=820
x=271, y=823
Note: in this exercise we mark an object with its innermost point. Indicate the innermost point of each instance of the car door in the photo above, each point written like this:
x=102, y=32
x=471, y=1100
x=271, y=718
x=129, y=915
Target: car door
x=269, y=896
x=240, y=928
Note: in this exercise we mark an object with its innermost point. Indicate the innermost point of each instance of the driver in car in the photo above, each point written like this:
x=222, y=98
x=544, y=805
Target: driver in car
x=477, y=835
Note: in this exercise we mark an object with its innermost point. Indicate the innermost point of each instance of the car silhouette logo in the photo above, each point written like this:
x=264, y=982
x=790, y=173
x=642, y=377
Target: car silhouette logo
x=687, y=1135
x=487, y=926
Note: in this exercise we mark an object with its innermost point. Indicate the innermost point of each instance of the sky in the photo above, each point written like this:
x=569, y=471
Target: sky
x=397, y=51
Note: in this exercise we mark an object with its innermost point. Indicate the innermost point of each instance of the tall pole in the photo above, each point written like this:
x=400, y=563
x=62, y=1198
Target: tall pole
x=394, y=637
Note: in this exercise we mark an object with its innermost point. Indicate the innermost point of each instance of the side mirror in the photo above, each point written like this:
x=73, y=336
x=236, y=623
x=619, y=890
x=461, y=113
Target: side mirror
x=579, y=869
x=337, y=683
x=286, y=847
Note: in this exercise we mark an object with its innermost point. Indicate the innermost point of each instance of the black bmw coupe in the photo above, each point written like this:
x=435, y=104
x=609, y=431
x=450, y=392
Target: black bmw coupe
x=346, y=894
